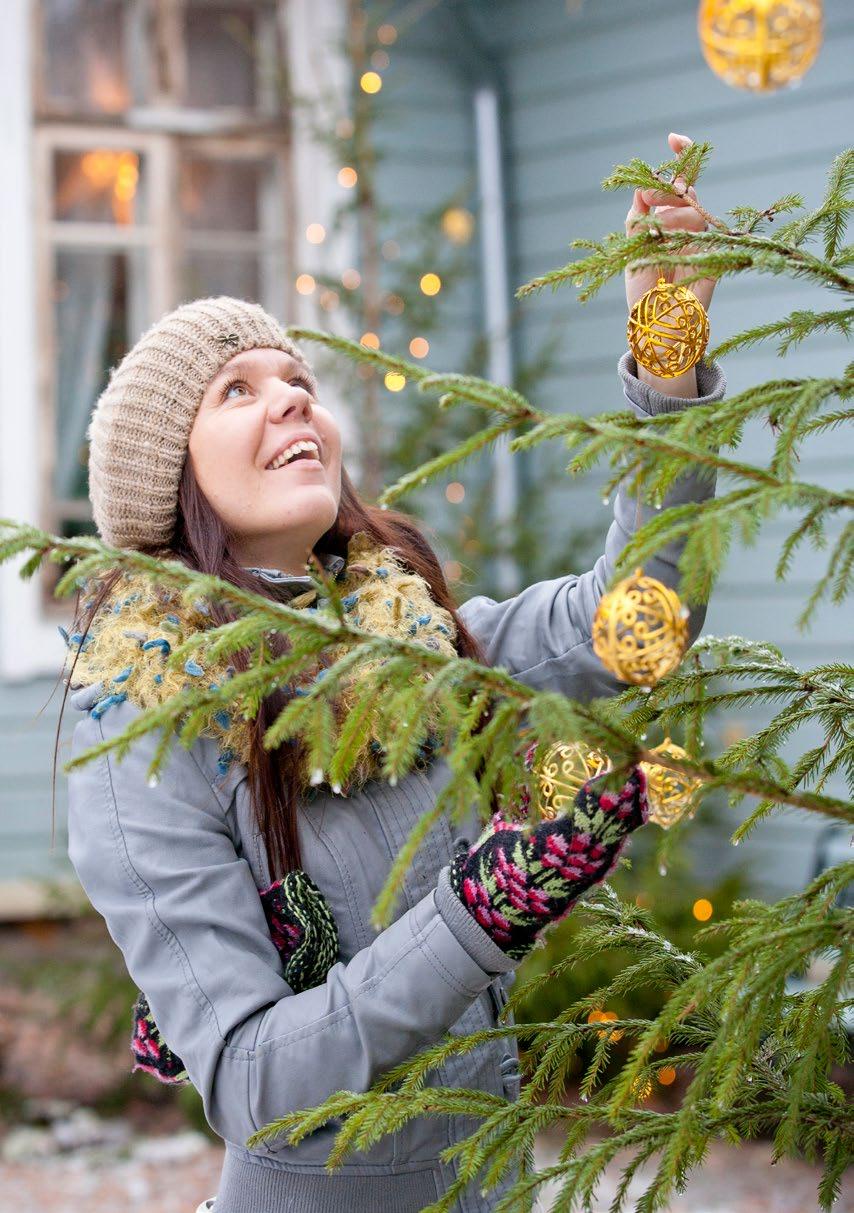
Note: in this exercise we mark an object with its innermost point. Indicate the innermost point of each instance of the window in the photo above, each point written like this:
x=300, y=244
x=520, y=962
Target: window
x=161, y=156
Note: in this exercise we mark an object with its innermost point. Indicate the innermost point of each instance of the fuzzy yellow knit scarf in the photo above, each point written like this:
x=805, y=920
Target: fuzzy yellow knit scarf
x=135, y=630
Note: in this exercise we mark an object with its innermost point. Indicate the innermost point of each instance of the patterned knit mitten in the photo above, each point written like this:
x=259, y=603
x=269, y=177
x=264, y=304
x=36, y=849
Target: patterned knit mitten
x=304, y=932
x=517, y=879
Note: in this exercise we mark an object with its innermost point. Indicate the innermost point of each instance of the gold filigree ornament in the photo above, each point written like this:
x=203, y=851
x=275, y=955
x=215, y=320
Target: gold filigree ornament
x=640, y=630
x=566, y=766
x=668, y=329
x=760, y=45
x=669, y=792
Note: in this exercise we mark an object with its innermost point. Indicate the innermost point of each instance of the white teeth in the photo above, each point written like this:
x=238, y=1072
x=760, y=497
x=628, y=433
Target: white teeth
x=292, y=450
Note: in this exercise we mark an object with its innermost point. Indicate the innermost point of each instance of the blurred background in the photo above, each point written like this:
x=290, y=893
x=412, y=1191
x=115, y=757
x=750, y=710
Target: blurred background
x=391, y=172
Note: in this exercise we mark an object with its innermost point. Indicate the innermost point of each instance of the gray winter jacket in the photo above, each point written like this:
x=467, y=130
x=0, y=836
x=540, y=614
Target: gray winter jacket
x=175, y=871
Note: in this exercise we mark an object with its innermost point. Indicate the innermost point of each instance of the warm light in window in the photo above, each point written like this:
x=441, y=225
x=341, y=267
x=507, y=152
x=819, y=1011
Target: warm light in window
x=419, y=347
x=394, y=381
x=120, y=170
x=458, y=224
x=371, y=82
x=351, y=279
x=347, y=177
x=386, y=34
x=455, y=492
x=371, y=340
x=305, y=284
x=315, y=233
x=702, y=909
x=431, y=284
x=390, y=250
x=666, y=1075
x=379, y=60
x=452, y=569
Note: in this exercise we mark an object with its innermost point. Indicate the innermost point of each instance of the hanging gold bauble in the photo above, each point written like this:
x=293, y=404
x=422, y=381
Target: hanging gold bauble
x=640, y=630
x=565, y=767
x=668, y=329
x=760, y=45
x=668, y=791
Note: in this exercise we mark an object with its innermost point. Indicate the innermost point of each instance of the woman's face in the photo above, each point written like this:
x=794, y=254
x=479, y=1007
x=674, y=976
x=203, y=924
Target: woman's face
x=253, y=411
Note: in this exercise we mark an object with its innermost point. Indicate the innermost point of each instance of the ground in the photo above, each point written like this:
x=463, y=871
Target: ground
x=79, y=1135
x=173, y=1174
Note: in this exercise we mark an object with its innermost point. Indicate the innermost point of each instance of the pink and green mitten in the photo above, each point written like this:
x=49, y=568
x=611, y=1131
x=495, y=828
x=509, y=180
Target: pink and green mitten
x=306, y=937
x=517, y=879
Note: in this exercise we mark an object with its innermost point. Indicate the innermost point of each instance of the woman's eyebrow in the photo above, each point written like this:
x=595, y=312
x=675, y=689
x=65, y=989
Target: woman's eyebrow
x=242, y=366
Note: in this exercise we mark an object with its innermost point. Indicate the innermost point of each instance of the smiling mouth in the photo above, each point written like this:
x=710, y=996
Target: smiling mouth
x=301, y=461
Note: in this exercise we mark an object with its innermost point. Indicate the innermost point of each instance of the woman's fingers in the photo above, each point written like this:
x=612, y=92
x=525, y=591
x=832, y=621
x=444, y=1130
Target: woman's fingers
x=671, y=217
x=637, y=210
x=663, y=198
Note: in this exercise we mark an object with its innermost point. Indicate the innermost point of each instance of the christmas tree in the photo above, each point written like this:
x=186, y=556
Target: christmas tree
x=758, y=1052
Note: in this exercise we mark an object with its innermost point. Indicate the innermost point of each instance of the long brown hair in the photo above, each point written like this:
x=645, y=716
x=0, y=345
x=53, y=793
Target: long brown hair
x=203, y=543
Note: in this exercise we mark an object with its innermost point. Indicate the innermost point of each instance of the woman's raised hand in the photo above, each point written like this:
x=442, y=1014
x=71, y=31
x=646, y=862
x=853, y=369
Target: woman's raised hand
x=673, y=214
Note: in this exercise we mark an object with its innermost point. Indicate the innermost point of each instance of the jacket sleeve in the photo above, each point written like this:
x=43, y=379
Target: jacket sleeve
x=160, y=865
x=542, y=636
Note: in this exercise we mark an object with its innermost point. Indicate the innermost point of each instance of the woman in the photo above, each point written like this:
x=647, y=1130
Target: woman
x=238, y=890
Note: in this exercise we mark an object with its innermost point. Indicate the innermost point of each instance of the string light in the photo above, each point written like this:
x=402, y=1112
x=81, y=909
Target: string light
x=347, y=177
x=458, y=224
x=666, y=1075
x=370, y=82
x=605, y=1017
x=430, y=284
x=315, y=233
x=455, y=492
x=386, y=34
x=453, y=570
x=351, y=279
x=394, y=304
x=379, y=60
x=419, y=347
x=344, y=128
x=394, y=381
x=329, y=300
x=305, y=284
x=371, y=340
x=702, y=909
x=390, y=249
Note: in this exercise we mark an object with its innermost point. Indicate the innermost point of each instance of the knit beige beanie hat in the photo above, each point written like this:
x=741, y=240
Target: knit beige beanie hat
x=140, y=429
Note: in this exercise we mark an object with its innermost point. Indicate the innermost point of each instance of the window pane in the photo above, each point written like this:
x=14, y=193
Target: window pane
x=104, y=185
x=85, y=55
x=98, y=301
x=222, y=195
x=214, y=273
x=221, y=42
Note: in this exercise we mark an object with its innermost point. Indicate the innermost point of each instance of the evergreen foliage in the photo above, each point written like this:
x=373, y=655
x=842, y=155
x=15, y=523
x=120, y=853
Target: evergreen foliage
x=758, y=1057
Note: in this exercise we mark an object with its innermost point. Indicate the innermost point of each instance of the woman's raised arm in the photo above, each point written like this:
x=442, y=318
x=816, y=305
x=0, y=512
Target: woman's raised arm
x=543, y=635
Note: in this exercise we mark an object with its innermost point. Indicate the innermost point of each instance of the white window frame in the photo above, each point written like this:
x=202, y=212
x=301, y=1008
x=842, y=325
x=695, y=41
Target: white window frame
x=29, y=644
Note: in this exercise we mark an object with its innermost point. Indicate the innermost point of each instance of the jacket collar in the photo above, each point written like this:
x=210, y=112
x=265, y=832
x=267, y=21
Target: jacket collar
x=287, y=585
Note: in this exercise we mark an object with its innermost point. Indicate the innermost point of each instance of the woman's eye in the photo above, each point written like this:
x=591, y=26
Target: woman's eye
x=229, y=386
